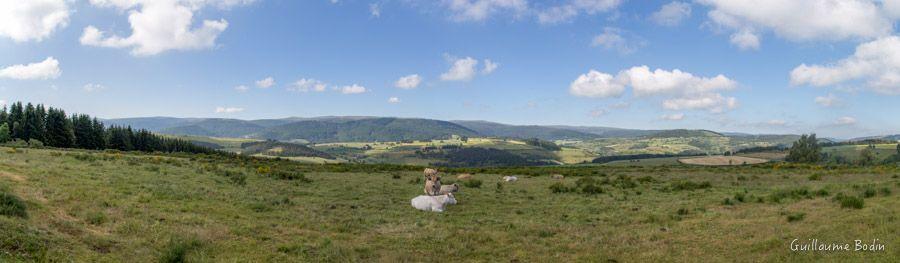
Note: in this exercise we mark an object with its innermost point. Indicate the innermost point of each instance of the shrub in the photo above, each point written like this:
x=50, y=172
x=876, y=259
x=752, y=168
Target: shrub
x=474, y=183
x=868, y=193
x=847, y=201
x=34, y=143
x=682, y=211
x=290, y=176
x=591, y=189
x=740, y=197
x=689, y=186
x=815, y=177
x=395, y=176
x=727, y=201
x=559, y=187
x=96, y=218
x=793, y=217
x=11, y=205
x=177, y=249
x=885, y=191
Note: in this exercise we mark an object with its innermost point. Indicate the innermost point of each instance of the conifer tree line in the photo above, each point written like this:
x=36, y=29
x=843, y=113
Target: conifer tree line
x=52, y=127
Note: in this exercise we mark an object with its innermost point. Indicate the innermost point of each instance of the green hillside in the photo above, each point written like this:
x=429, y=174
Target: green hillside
x=365, y=130
x=524, y=132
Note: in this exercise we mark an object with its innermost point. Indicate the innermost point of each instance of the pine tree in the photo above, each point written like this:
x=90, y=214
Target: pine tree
x=4, y=117
x=16, y=118
x=59, y=129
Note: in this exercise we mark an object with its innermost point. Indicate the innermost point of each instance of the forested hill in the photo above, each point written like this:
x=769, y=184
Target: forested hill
x=369, y=129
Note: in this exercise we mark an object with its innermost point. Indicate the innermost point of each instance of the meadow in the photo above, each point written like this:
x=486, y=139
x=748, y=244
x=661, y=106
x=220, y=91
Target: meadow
x=107, y=206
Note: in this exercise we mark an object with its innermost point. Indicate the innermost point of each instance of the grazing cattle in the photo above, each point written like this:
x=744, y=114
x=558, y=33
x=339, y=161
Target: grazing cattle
x=446, y=189
x=433, y=203
x=510, y=178
x=464, y=177
x=557, y=176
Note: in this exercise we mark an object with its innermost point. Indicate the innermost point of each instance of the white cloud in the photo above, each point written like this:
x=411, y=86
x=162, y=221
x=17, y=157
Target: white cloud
x=307, y=85
x=47, y=69
x=659, y=81
x=672, y=13
x=745, y=40
x=229, y=110
x=597, y=113
x=613, y=39
x=91, y=87
x=353, y=89
x=684, y=90
x=489, y=67
x=713, y=102
x=241, y=88
x=801, y=20
x=265, y=83
x=408, y=82
x=461, y=70
x=845, y=121
x=828, y=101
x=480, y=10
x=160, y=26
x=375, y=10
x=393, y=100
x=32, y=20
x=672, y=117
x=571, y=9
x=877, y=63
x=596, y=84
x=776, y=123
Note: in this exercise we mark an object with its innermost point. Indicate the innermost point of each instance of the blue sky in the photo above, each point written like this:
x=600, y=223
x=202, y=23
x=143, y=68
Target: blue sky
x=743, y=66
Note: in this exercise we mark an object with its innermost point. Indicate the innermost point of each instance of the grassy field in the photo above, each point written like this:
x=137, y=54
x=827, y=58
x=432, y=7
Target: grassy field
x=722, y=160
x=113, y=207
x=852, y=152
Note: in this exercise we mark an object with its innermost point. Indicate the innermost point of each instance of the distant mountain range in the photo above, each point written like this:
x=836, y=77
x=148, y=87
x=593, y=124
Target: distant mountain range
x=367, y=129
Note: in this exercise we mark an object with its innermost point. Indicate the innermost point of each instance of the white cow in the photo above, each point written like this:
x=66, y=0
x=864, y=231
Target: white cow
x=510, y=178
x=435, y=203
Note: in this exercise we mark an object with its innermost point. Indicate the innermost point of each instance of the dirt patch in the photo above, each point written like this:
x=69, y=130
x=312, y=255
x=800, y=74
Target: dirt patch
x=12, y=176
x=722, y=160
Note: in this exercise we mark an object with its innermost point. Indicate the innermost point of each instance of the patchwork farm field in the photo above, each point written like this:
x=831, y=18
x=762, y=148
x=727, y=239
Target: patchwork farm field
x=88, y=206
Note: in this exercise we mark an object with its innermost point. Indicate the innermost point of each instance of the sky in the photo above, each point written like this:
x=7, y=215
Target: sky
x=764, y=66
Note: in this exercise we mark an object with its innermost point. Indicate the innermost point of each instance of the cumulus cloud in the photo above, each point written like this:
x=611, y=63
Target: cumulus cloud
x=241, y=88
x=596, y=84
x=408, y=82
x=713, y=102
x=672, y=117
x=463, y=69
x=569, y=10
x=393, y=100
x=827, y=101
x=800, y=20
x=47, y=69
x=353, y=89
x=597, y=113
x=307, y=85
x=160, y=26
x=32, y=20
x=91, y=87
x=876, y=63
x=229, y=110
x=614, y=39
x=672, y=13
x=265, y=83
x=845, y=121
x=684, y=90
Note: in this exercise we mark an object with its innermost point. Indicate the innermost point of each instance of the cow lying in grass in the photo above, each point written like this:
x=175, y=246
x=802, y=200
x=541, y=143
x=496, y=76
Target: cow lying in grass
x=446, y=189
x=433, y=203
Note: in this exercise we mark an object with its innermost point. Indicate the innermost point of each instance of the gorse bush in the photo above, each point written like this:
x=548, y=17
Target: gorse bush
x=793, y=217
x=11, y=205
